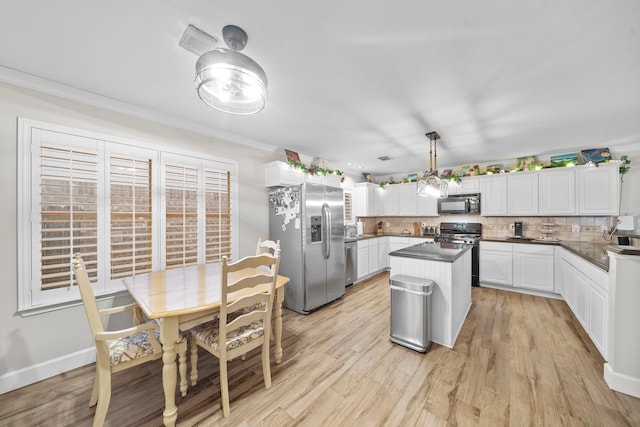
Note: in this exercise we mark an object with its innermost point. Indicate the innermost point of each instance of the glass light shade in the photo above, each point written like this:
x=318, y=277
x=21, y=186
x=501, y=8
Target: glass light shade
x=230, y=81
x=432, y=186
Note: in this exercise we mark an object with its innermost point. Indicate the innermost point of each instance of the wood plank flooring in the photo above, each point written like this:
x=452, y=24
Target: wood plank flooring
x=520, y=360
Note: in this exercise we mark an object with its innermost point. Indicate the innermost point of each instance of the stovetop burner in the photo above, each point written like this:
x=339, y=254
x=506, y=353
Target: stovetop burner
x=460, y=232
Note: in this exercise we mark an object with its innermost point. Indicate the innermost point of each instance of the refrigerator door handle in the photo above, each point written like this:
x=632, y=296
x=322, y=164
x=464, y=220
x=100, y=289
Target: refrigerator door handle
x=327, y=230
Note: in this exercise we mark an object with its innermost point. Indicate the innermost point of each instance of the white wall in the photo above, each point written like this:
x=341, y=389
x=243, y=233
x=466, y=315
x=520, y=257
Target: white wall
x=30, y=346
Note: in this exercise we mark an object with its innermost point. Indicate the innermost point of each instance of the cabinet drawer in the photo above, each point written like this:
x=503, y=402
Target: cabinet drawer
x=521, y=248
x=497, y=246
x=364, y=243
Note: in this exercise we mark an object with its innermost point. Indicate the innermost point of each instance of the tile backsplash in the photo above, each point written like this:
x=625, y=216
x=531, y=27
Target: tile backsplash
x=582, y=228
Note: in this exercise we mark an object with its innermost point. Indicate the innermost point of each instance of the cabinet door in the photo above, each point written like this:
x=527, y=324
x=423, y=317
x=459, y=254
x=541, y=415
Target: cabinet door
x=598, y=190
x=408, y=199
x=373, y=256
x=522, y=193
x=598, y=318
x=469, y=185
x=383, y=253
x=360, y=199
x=533, y=267
x=494, y=195
x=377, y=202
x=581, y=284
x=391, y=197
x=427, y=206
x=363, y=260
x=557, y=189
x=496, y=266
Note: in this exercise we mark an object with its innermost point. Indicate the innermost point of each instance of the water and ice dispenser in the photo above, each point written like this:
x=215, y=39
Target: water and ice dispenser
x=316, y=228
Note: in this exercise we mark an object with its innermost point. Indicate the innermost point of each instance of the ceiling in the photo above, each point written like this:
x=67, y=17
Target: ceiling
x=350, y=81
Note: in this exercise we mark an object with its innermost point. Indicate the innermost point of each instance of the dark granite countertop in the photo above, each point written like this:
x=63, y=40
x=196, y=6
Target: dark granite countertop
x=592, y=252
x=372, y=236
x=443, y=252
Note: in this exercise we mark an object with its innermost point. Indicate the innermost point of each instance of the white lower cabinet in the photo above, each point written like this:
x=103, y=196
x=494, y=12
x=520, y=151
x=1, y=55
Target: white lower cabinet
x=585, y=288
x=533, y=267
x=496, y=263
x=372, y=256
x=383, y=253
x=363, y=258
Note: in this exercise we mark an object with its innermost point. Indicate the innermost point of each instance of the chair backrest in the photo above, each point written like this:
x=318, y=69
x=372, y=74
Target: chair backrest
x=249, y=284
x=267, y=247
x=88, y=297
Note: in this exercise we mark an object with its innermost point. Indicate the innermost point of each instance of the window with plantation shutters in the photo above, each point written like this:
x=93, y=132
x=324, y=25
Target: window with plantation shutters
x=131, y=215
x=217, y=190
x=129, y=208
x=181, y=194
x=68, y=207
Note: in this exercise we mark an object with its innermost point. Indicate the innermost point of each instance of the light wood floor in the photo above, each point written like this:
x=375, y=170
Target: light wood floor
x=520, y=360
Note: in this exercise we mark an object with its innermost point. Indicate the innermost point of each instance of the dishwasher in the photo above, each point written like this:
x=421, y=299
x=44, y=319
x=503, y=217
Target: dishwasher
x=351, y=260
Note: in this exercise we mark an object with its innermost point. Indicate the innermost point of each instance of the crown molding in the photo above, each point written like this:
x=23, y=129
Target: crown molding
x=39, y=84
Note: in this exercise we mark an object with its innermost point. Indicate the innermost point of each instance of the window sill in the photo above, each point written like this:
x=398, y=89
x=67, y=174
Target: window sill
x=28, y=312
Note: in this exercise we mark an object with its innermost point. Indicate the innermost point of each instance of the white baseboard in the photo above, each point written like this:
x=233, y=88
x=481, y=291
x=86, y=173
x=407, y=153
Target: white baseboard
x=621, y=382
x=32, y=374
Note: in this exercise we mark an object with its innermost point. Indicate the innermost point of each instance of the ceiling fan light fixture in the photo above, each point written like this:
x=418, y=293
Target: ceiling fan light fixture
x=230, y=81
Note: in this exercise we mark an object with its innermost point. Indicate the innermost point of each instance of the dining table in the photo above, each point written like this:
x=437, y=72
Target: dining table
x=180, y=298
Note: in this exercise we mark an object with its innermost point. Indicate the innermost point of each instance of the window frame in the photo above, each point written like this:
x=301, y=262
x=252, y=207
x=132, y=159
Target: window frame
x=31, y=298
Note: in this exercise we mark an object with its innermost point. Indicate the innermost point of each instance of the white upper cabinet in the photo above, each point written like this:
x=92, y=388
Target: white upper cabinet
x=557, y=191
x=367, y=199
x=522, y=193
x=494, y=195
x=400, y=199
x=280, y=174
x=598, y=190
x=391, y=198
x=426, y=206
x=408, y=199
x=469, y=184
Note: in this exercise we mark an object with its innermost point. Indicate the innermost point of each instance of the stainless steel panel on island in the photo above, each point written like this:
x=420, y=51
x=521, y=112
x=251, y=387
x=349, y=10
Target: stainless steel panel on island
x=449, y=266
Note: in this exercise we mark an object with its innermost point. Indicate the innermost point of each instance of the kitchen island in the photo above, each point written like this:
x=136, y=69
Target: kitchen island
x=449, y=266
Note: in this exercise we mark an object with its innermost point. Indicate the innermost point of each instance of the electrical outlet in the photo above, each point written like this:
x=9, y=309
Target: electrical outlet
x=575, y=228
x=604, y=228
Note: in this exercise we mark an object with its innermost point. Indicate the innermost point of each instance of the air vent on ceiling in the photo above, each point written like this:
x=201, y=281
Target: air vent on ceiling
x=384, y=158
x=197, y=41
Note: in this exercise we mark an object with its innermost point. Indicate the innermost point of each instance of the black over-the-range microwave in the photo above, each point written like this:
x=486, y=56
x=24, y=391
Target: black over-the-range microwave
x=460, y=204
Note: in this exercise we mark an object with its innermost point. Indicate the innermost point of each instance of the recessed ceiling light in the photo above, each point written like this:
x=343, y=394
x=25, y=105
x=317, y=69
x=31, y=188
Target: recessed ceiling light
x=349, y=163
x=359, y=167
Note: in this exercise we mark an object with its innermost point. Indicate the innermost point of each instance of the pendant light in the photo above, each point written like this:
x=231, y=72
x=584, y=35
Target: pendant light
x=430, y=185
x=228, y=80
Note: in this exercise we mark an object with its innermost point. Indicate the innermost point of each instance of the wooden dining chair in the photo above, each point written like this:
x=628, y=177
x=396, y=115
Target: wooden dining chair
x=121, y=349
x=267, y=246
x=243, y=323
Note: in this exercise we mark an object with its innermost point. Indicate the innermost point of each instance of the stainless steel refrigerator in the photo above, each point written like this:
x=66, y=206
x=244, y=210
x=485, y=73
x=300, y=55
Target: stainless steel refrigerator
x=309, y=222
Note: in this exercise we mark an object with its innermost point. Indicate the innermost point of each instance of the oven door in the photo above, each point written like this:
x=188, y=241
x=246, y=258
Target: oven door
x=453, y=205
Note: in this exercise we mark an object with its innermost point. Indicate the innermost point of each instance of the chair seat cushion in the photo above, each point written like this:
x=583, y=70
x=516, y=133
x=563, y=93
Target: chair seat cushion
x=208, y=333
x=130, y=347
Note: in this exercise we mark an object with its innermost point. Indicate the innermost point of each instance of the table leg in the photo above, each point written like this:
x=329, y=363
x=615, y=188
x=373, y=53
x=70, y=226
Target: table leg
x=169, y=338
x=278, y=326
